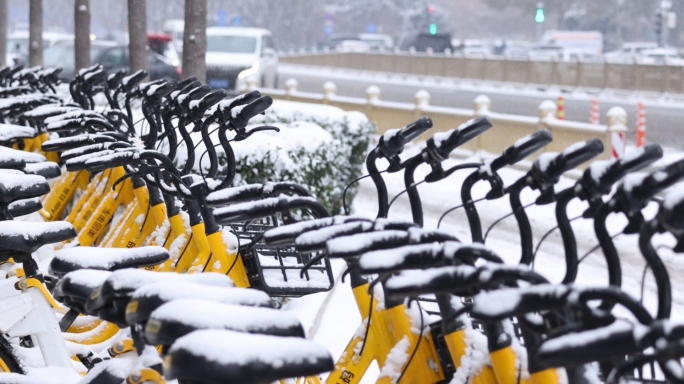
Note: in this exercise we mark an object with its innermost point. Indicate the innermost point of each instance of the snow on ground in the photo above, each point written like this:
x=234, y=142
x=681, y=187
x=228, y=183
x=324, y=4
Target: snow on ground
x=484, y=86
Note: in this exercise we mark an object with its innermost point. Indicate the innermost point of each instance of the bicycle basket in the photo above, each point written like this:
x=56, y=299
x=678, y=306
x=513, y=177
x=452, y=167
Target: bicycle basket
x=276, y=270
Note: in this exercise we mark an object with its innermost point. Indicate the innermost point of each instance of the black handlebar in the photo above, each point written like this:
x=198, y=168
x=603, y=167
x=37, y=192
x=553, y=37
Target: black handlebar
x=242, y=115
x=523, y=148
x=444, y=142
x=392, y=142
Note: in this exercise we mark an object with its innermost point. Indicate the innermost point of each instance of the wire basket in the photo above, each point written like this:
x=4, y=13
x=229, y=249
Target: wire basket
x=276, y=270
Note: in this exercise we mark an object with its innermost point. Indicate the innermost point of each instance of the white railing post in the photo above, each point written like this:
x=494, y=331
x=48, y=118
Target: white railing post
x=291, y=87
x=329, y=90
x=422, y=101
x=483, y=105
x=547, y=109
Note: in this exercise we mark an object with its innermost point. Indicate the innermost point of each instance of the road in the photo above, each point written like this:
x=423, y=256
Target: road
x=664, y=122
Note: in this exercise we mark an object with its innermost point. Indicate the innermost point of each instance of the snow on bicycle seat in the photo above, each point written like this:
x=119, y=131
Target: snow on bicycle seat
x=25, y=207
x=111, y=371
x=10, y=132
x=226, y=357
x=105, y=259
x=17, y=186
x=151, y=296
x=48, y=169
x=67, y=143
x=74, y=289
x=286, y=234
x=78, y=163
x=27, y=237
x=17, y=155
x=49, y=110
x=177, y=318
x=109, y=301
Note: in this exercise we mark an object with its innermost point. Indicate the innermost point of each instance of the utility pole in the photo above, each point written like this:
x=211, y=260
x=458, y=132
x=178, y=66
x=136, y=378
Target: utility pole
x=82, y=34
x=137, y=35
x=195, y=40
x=3, y=33
x=539, y=18
x=35, y=47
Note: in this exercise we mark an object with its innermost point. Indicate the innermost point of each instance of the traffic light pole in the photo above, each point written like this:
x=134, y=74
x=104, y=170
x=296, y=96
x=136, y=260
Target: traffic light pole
x=539, y=19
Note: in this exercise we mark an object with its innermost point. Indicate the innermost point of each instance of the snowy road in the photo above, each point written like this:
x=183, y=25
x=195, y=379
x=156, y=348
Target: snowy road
x=663, y=120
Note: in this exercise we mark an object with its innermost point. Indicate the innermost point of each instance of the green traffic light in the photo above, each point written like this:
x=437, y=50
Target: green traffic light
x=539, y=16
x=433, y=29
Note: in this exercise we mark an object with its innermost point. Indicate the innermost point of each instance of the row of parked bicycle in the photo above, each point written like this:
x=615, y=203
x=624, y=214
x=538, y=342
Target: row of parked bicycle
x=153, y=259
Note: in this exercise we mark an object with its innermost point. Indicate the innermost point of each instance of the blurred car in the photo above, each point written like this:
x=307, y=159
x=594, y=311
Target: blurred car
x=546, y=52
x=175, y=28
x=162, y=43
x=18, y=42
x=377, y=41
x=111, y=55
x=352, y=46
x=236, y=54
x=579, y=55
x=629, y=52
x=437, y=42
x=660, y=56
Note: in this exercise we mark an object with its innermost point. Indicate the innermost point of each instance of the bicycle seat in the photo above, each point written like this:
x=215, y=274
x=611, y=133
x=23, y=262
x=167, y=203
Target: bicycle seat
x=10, y=132
x=15, y=186
x=48, y=169
x=74, y=289
x=49, y=110
x=177, y=318
x=227, y=357
x=24, y=207
x=109, y=301
x=67, y=143
x=151, y=296
x=105, y=259
x=17, y=155
x=27, y=237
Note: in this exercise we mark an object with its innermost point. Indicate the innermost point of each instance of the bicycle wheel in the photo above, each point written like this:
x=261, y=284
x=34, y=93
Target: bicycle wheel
x=8, y=360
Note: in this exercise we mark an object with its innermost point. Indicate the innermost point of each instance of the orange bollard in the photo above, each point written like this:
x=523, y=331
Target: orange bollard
x=640, y=125
x=560, y=111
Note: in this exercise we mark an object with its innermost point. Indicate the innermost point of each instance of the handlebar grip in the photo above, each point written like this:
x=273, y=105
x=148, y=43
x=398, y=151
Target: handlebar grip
x=671, y=214
x=526, y=146
x=242, y=114
x=655, y=182
x=161, y=90
x=445, y=142
x=251, y=192
x=226, y=106
x=267, y=207
x=183, y=83
x=198, y=107
x=439, y=280
x=96, y=77
x=130, y=81
x=195, y=94
x=393, y=141
x=606, y=173
x=573, y=156
x=115, y=78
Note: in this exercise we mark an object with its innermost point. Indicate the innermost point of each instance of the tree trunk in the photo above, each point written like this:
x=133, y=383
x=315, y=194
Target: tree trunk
x=137, y=35
x=82, y=34
x=195, y=39
x=3, y=33
x=35, y=33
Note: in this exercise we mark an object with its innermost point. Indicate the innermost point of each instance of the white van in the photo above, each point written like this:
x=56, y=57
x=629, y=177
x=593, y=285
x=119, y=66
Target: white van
x=175, y=28
x=236, y=54
x=588, y=41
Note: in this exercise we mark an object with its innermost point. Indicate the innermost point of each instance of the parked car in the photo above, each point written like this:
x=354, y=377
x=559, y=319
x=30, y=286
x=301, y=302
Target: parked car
x=162, y=43
x=661, y=56
x=376, y=41
x=629, y=52
x=352, y=45
x=111, y=55
x=18, y=42
x=545, y=52
x=438, y=42
x=236, y=54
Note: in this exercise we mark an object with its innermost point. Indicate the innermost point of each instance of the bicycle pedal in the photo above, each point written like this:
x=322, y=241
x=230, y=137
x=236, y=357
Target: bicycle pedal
x=89, y=361
x=26, y=342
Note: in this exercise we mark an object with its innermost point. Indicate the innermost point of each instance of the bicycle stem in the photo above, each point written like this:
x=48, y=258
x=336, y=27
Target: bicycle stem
x=380, y=186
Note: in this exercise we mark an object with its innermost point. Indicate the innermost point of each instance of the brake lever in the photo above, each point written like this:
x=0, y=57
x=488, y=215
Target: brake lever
x=239, y=136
